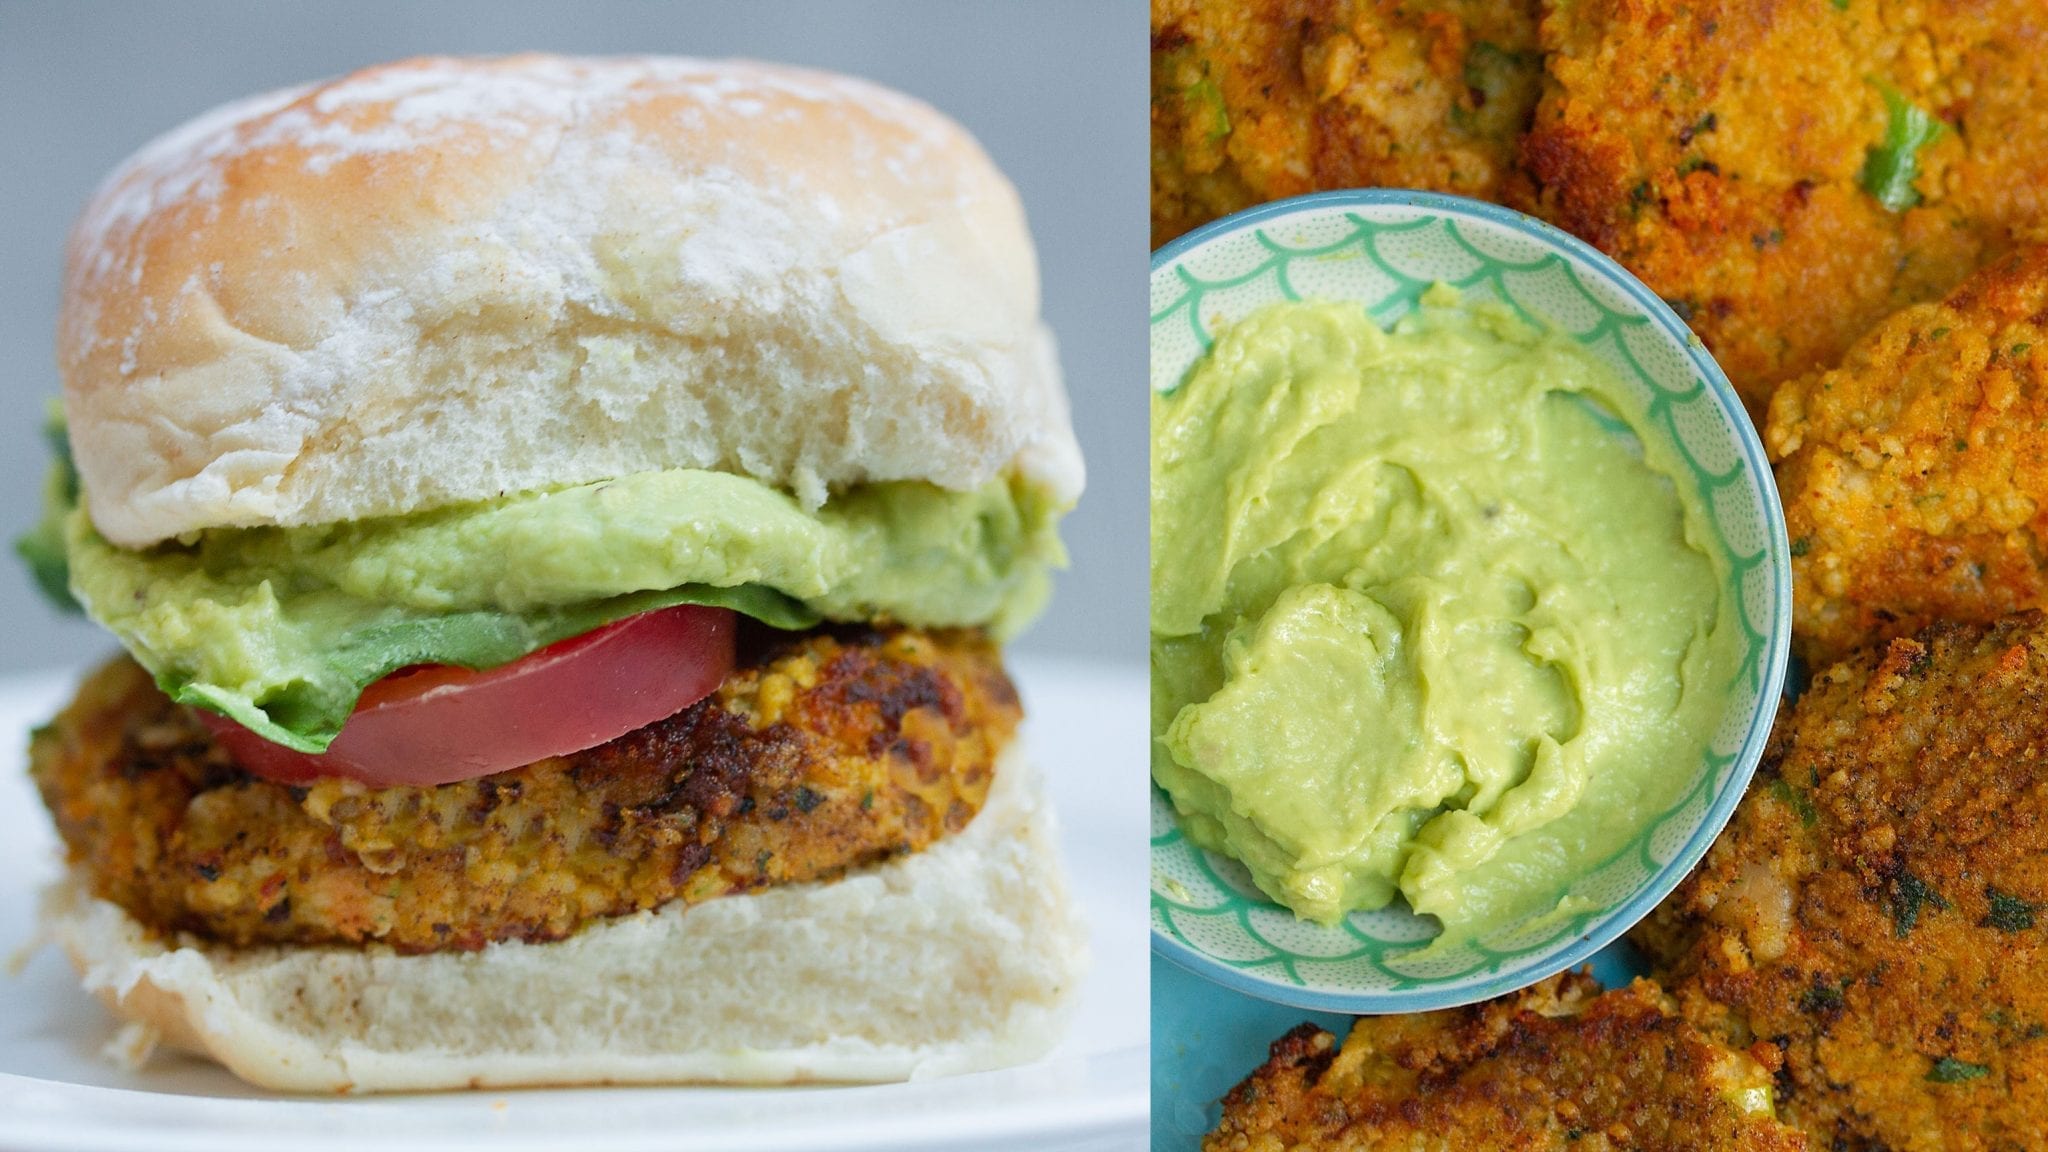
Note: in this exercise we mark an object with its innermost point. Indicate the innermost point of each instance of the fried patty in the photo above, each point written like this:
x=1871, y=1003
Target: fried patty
x=1915, y=474
x=1877, y=910
x=1253, y=100
x=1560, y=1065
x=820, y=752
x=1722, y=151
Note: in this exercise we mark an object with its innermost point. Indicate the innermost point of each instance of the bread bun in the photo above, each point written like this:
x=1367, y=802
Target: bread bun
x=961, y=957
x=442, y=280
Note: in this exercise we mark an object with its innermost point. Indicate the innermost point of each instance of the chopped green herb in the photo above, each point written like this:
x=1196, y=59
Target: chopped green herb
x=806, y=799
x=1937, y=334
x=1949, y=1070
x=867, y=802
x=2020, y=349
x=1771, y=239
x=1706, y=123
x=1909, y=895
x=1639, y=196
x=1697, y=163
x=1802, y=546
x=1962, y=445
x=1823, y=998
x=1205, y=104
x=2008, y=913
x=1799, y=802
x=1890, y=168
x=1840, y=5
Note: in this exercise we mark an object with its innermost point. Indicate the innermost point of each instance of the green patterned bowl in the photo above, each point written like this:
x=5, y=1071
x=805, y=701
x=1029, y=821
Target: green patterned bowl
x=1383, y=248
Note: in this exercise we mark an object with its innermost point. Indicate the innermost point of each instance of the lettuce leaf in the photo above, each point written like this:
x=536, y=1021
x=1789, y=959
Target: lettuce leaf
x=307, y=714
x=42, y=547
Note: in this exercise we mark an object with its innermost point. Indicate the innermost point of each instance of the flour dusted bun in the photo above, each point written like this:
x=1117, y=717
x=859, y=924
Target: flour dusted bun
x=443, y=279
x=961, y=957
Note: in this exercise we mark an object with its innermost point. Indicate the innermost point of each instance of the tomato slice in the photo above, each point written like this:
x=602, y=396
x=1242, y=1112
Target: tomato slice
x=437, y=724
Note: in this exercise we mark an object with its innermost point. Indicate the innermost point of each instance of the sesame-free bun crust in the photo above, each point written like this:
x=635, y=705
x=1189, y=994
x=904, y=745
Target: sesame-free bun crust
x=961, y=957
x=441, y=280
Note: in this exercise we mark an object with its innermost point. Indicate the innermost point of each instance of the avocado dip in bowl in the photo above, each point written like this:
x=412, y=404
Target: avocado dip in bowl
x=1469, y=601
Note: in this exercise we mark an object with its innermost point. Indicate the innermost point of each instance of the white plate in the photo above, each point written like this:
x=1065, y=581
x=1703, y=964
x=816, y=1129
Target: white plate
x=1087, y=730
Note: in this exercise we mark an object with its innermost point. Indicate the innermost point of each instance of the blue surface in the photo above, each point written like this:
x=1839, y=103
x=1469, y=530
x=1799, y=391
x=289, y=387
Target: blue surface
x=1206, y=1038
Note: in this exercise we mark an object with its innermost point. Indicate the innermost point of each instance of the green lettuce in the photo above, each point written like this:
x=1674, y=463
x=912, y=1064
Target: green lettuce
x=42, y=547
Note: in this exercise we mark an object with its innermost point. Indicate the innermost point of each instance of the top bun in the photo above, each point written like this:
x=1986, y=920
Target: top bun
x=443, y=280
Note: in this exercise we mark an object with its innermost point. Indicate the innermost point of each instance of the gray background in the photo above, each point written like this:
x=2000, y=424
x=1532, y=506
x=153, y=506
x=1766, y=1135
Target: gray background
x=1055, y=90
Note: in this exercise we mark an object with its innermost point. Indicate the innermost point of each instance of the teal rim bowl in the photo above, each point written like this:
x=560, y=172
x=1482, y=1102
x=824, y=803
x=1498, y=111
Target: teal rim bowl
x=1382, y=248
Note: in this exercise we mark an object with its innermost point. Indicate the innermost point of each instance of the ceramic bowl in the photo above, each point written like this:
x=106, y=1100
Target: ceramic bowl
x=1383, y=248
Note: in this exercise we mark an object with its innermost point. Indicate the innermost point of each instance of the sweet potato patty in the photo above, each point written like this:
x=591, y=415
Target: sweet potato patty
x=1915, y=473
x=1787, y=174
x=822, y=751
x=1877, y=910
x=1556, y=1066
x=1253, y=100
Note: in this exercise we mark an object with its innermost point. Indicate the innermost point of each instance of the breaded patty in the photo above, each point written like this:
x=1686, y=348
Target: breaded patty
x=822, y=751
x=1254, y=100
x=1877, y=909
x=1723, y=150
x=1915, y=475
x=1556, y=1066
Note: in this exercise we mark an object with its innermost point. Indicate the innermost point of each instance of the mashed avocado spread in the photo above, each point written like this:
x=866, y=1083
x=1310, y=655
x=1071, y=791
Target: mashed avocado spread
x=282, y=628
x=1426, y=620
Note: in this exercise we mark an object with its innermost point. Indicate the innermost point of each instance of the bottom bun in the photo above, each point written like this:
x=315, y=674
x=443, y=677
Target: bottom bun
x=962, y=957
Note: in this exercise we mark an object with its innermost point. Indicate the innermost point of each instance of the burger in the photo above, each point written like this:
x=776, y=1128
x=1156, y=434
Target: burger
x=561, y=516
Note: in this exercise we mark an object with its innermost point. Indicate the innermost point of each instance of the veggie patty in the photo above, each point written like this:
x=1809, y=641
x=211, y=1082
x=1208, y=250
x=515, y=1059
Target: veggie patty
x=1877, y=910
x=822, y=751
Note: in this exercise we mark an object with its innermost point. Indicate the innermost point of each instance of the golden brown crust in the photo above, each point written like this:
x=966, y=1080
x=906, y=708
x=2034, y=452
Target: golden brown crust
x=1551, y=1067
x=1717, y=150
x=820, y=753
x=1257, y=101
x=1876, y=908
x=1915, y=474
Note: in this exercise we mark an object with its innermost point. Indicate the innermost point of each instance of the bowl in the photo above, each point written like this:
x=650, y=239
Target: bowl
x=1382, y=248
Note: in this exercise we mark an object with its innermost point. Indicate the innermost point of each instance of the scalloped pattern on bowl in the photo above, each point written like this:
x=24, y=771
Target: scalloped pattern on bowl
x=1384, y=249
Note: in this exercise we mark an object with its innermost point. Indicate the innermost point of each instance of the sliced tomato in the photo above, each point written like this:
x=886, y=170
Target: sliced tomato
x=437, y=724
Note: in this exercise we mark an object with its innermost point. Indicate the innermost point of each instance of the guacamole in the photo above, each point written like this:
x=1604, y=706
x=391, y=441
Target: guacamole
x=1426, y=620
x=282, y=628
